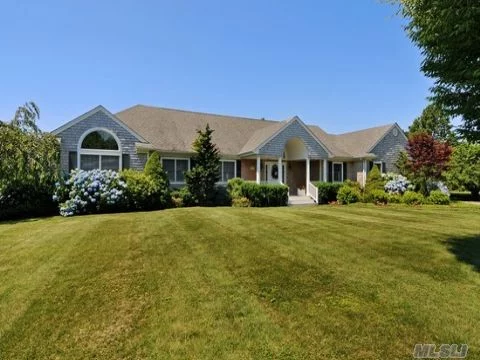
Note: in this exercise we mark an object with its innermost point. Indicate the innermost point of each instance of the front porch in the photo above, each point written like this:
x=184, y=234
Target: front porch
x=294, y=156
x=296, y=174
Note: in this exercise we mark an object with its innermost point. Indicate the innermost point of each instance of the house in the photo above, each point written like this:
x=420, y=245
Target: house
x=290, y=152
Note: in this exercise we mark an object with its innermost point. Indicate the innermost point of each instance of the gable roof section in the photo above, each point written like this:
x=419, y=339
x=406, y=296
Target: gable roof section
x=360, y=143
x=94, y=111
x=263, y=136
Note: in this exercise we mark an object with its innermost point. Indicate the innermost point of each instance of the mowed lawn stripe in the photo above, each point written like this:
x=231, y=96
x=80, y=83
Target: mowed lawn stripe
x=359, y=282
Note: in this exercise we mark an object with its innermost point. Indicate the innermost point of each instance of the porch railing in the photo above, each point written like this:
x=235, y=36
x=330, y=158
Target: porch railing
x=312, y=191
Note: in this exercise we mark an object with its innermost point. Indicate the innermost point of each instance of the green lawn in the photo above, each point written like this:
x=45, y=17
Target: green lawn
x=352, y=282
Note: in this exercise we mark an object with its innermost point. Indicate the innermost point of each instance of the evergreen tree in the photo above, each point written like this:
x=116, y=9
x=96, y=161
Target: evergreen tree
x=374, y=180
x=202, y=178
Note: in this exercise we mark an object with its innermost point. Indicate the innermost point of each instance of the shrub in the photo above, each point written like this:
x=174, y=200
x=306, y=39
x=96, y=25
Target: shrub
x=394, y=198
x=182, y=197
x=348, y=195
x=177, y=200
x=374, y=180
x=91, y=191
x=438, y=185
x=234, y=187
x=437, y=197
x=377, y=197
x=19, y=199
x=413, y=198
x=327, y=192
x=241, y=202
x=397, y=184
x=154, y=169
x=222, y=197
x=461, y=196
x=260, y=195
x=144, y=192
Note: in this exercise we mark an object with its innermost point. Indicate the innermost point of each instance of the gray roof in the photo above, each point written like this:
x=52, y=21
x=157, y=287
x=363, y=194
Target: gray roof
x=173, y=130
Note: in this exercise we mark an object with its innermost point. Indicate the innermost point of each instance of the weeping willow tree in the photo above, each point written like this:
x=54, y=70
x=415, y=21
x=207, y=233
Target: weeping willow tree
x=29, y=165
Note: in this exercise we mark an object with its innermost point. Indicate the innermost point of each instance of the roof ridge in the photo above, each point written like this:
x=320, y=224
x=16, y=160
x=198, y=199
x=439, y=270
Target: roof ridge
x=366, y=129
x=198, y=112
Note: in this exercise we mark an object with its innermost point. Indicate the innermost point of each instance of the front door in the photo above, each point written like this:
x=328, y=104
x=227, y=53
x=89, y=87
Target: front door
x=271, y=174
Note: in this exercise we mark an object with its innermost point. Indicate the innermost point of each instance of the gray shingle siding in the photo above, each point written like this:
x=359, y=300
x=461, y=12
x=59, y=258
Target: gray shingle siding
x=276, y=145
x=388, y=148
x=70, y=137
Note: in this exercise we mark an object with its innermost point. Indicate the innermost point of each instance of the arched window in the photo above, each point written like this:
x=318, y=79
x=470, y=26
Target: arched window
x=99, y=149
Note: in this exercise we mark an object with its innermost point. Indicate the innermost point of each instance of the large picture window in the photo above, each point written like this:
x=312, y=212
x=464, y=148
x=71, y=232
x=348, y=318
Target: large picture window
x=337, y=172
x=99, y=149
x=175, y=169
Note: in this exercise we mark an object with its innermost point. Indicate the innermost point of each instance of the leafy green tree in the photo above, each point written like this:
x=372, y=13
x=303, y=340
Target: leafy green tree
x=29, y=166
x=447, y=33
x=201, y=179
x=436, y=122
x=465, y=168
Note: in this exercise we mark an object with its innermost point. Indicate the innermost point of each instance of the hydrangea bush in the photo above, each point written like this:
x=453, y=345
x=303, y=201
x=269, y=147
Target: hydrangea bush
x=397, y=184
x=438, y=185
x=90, y=191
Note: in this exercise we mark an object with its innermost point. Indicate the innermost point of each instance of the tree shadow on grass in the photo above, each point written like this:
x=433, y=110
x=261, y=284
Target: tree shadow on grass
x=466, y=249
x=24, y=220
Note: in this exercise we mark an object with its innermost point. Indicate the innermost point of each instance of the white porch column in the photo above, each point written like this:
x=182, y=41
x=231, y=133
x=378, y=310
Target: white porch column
x=325, y=170
x=280, y=170
x=258, y=169
x=364, y=172
x=307, y=161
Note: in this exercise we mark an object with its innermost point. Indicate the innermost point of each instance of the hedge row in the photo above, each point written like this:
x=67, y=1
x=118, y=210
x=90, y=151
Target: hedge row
x=327, y=192
x=258, y=195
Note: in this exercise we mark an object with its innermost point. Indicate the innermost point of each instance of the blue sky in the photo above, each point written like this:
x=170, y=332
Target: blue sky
x=342, y=65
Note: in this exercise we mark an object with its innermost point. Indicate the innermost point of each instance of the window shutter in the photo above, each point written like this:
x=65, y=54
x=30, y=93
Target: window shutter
x=345, y=177
x=72, y=160
x=126, y=161
x=330, y=171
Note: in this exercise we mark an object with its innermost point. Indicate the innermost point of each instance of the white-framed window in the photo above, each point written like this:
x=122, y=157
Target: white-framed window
x=337, y=172
x=228, y=170
x=175, y=169
x=378, y=164
x=99, y=148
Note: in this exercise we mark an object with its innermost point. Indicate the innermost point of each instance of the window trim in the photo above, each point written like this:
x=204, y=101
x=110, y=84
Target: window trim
x=175, y=168
x=221, y=181
x=333, y=170
x=99, y=152
x=379, y=167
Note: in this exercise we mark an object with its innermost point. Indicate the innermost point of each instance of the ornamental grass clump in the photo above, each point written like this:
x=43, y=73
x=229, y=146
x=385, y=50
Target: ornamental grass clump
x=90, y=192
